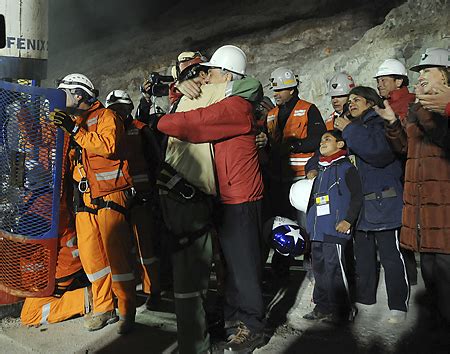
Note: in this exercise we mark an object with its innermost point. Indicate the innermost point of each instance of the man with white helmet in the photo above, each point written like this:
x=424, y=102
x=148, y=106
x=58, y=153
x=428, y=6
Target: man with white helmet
x=338, y=88
x=392, y=83
x=295, y=128
x=230, y=127
x=140, y=154
x=424, y=137
x=101, y=196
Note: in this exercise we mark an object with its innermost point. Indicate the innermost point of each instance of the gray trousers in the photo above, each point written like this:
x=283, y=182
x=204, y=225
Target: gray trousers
x=191, y=271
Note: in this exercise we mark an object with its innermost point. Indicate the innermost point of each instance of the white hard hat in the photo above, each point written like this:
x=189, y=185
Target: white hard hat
x=433, y=57
x=391, y=67
x=340, y=84
x=283, y=78
x=118, y=96
x=229, y=57
x=300, y=193
x=78, y=81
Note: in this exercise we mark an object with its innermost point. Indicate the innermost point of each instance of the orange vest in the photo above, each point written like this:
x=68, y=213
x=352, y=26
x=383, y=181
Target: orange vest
x=296, y=126
x=105, y=171
x=330, y=121
x=139, y=167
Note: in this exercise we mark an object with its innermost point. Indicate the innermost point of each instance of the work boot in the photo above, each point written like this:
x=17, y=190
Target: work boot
x=98, y=321
x=244, y=341
x=125, y=325
x=231, y=328
x=316, y=315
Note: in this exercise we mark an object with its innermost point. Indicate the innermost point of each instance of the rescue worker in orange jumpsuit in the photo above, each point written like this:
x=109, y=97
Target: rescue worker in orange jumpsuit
x=72, y=286
x=102, y=195
x=139, y=153
x=295, y=127
x=70, y=297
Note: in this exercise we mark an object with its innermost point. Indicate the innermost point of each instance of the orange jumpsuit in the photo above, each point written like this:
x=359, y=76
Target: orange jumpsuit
x=141, y=213
x=51, y=309
x=104, y=236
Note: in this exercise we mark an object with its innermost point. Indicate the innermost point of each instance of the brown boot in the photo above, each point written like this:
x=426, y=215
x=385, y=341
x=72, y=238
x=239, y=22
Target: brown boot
x=125, y=326
x=98, y=321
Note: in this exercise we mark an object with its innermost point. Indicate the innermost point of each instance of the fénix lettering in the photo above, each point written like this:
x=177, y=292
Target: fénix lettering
x=26, y=43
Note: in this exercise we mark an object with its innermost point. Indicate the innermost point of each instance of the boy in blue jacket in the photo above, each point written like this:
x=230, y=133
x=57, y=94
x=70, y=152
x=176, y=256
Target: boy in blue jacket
x=335, y=204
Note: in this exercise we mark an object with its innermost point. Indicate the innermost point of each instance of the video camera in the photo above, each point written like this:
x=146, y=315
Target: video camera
x=159, y=85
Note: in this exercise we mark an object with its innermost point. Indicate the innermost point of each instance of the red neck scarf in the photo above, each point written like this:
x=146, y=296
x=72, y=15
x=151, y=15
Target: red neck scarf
x=327, y=160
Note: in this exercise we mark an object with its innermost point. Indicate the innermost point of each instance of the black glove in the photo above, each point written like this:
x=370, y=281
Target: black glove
x=64, y=121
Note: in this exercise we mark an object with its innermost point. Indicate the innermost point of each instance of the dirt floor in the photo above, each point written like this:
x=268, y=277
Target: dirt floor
x=287, y=332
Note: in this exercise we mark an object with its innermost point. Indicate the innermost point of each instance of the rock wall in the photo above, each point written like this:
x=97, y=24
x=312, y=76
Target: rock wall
x=341, y=43
x=302, y=35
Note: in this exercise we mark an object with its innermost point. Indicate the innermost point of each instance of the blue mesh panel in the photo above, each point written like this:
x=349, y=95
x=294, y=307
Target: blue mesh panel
x=30, y=161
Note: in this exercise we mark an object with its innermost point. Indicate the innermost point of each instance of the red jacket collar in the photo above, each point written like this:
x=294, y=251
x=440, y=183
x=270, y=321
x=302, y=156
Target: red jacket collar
x=399, y=94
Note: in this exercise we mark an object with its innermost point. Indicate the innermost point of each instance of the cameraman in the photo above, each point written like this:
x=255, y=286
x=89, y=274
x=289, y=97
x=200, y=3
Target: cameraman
x=147, y=112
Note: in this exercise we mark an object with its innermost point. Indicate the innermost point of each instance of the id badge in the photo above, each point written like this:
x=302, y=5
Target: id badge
x=322, y=204
x=352, y=159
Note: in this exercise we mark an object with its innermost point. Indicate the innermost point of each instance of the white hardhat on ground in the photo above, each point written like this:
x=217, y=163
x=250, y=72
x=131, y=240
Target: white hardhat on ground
x=391, y=67
x=300, y=193
x=340, y=84
x=283, y=78
x=78, y=81
x=433, y=57
x=118, y=96
x=229, y=57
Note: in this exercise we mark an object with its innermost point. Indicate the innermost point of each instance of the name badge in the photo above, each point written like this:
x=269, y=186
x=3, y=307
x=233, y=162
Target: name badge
x=323, y=205
x=352, y=159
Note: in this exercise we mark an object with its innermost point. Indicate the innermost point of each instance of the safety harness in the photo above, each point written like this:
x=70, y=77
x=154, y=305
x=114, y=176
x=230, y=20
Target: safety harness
x=172, y=184
x=171, y=181
x=82, y=187
x=79, y=280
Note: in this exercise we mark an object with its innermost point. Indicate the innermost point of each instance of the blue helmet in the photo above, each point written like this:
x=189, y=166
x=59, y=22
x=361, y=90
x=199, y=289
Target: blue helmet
x=288, y=238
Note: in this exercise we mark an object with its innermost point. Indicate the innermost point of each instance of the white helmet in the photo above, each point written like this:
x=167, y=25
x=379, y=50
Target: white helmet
x=299, y=194
x=433, y=57
x=229, y=57
x=340, y=84
x=118, y=96
x=391, y=67
x=283, y=78
x=78, y=81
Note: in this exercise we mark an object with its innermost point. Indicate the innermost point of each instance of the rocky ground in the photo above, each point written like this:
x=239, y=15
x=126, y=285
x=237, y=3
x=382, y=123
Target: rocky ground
x=288, y=333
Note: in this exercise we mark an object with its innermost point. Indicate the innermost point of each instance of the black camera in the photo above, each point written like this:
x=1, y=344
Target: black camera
x=159, y=85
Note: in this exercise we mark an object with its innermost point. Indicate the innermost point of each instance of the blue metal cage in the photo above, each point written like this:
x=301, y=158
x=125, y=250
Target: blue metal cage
x=31, y=154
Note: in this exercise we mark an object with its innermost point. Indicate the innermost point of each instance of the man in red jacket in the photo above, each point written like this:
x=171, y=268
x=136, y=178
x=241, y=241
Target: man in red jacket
x=392, y=83
x=230, y=126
